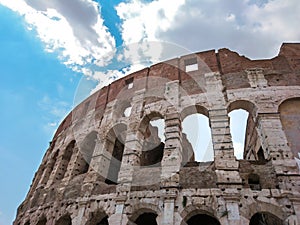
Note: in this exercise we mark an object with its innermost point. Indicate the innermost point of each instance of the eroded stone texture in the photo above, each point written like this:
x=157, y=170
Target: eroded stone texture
x=108, y=166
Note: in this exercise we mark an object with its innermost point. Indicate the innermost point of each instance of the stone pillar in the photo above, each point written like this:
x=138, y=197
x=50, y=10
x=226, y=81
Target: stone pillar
x=275, y=144
x=130, y=160
x=232, y=198
x=100, y=162
x=225, y=161
x=169, y=207
x=172, y=158
x=133, y=144
x=119, y=217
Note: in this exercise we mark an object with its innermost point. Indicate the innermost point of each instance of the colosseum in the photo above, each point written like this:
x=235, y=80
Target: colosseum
x=107, y=164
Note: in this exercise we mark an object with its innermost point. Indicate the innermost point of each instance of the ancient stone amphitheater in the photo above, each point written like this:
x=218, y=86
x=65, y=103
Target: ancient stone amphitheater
x=107, y=165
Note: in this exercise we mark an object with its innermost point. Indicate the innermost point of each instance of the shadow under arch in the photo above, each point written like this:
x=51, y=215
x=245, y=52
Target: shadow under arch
x=193, y=109
x=265, y=218
x=42, y=220
x=114, y=145
x=196, y=134
x=64, y=220
x=86, y=148
x=242, y=115
x=152, y=139
x=141, y=209
x=259, y=207
x=190, y=213
x=97, y=217
x=247, y=105
x=289, y=111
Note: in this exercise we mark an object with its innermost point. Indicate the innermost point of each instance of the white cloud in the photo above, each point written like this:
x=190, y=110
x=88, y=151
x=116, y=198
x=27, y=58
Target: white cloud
x=73, y=28
x=251, y=27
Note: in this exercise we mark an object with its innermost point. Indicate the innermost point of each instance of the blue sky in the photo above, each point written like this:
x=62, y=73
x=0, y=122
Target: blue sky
x=49, y=48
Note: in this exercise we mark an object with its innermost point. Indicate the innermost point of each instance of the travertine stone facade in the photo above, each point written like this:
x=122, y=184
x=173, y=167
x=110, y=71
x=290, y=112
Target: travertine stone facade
x=106, y=164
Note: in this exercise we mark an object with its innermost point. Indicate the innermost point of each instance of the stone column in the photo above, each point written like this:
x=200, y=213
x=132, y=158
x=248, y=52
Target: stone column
x=172, y=157
x=169, y=207
x=100, y=162
x=133, y=144
x=275, y=144
x=225, y=161
x=119, y=217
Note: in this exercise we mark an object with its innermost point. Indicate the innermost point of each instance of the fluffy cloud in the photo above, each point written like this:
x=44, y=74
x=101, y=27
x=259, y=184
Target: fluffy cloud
x=73, y=28
x=255, y=28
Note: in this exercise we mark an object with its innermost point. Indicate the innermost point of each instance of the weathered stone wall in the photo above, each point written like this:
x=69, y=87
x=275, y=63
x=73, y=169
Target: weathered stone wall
x=95, y=170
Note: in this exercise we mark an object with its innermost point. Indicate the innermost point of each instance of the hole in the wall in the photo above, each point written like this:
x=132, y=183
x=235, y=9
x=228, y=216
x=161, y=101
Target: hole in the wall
x=191, y=64
x=196, y=139
x=127, y=111
x=238, y=124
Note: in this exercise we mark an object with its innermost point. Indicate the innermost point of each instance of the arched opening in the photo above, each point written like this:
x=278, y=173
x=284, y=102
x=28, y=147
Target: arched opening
x=238, y=126
x=115, y=146
x=64, y=220
x=65, y=159
x=196, y=139
x=253, y=181
x=86, y=153
x=154, y=143
x=147, y=218
x=290, y=120
x=202, y=219
x=98, y=218
x=42, y=221
x=264, y=218
x=49, y=167
x=122, y=108
x=245, y=139
x=196, y=135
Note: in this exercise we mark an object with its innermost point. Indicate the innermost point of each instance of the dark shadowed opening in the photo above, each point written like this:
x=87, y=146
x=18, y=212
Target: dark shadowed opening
x=204, y=219
x=146, y=219
x=265, y=219
x=115, y=163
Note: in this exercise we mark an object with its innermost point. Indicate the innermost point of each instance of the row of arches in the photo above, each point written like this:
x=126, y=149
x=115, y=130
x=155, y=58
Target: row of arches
x=196, y=140
x=149, y=217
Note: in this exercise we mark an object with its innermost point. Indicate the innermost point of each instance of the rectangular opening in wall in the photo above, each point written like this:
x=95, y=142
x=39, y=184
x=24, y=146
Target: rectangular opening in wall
x=191, y=64
x=129, y=82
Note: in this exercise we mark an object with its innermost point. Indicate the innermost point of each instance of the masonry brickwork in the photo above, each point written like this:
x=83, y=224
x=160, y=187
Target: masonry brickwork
x=106, y=167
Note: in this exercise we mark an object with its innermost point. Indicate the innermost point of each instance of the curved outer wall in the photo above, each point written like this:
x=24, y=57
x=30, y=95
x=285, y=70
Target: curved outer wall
x=94, y=169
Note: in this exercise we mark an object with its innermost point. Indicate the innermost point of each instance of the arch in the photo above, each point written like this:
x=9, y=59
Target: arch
x=146, y=120
x=196, y=143
x=42, y=221
x=245, y=139
x=193, y=210
x=64, y=220
x=254, y=182
x=202, y=218
x=265, y=218
x=86, y=149
x=289, y=111
x=259, y=206
x=49, y=167
x=247, y=105
x=65, y=159
x=147, y=218
x=98, y=217
x=192, y=109
x=120, y=106
x=115, y=140
x=151, y=129
x=142, y=211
